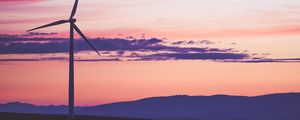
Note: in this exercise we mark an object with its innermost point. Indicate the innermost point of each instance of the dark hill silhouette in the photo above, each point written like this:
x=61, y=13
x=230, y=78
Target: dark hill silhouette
x=22, y=116
x=217, y=107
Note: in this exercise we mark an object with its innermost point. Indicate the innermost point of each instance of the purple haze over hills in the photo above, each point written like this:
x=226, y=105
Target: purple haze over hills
x=218, y=107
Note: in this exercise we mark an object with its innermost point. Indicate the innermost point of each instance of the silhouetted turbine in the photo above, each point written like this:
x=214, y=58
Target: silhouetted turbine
x=73, y=27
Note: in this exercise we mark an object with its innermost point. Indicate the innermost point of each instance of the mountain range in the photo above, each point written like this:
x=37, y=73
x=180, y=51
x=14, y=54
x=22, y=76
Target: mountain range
x=284, y=106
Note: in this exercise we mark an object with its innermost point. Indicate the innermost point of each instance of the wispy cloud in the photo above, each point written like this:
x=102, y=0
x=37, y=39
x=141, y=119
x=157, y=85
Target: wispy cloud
x=192, y=42
x=267, y=60
x=194, y=56
x=30, y=34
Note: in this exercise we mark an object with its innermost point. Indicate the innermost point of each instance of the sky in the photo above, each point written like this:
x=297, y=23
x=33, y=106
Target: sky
x=149, y=48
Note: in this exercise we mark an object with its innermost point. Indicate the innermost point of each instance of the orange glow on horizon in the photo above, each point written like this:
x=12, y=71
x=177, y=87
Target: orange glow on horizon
x=105, y=82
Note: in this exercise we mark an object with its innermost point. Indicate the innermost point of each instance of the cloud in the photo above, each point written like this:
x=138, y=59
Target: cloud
x=194, y=56
x=15, y=60
x=97, y=60
x=191, y=42
x=267, y=60
x=13, y=44
x=30, y=34
x=204, y=56
x=57, y=59
x=8, y=39
x=112, y=49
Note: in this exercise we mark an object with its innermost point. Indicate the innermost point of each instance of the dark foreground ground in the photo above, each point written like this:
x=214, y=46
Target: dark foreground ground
x=21, y=116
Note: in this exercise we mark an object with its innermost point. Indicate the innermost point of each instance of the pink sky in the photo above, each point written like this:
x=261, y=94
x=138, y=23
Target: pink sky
x=256, y=26
x=105, y=82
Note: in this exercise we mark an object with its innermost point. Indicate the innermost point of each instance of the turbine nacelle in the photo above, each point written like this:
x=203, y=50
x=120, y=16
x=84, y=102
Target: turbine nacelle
x=72, y=20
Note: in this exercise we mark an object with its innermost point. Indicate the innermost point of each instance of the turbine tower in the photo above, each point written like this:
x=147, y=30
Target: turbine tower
x=73, y=27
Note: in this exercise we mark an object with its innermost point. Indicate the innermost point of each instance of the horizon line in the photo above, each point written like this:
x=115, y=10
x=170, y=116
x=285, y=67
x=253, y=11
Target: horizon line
x=166, y=96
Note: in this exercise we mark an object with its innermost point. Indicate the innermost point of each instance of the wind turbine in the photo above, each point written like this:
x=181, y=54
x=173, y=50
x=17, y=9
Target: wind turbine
x=73, y=27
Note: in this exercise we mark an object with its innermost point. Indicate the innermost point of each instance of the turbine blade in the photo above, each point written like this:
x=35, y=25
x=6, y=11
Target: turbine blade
x=74, y=9
x=48, y=25
x=83, y=36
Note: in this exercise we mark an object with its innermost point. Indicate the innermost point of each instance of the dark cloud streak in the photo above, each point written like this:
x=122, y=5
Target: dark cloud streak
x=30, y=34
x=16, y=45
x=140, y=49
x=266, y=60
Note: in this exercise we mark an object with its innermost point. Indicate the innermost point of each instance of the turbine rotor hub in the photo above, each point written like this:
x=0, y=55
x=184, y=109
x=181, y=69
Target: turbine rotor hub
x=72, y=20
